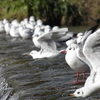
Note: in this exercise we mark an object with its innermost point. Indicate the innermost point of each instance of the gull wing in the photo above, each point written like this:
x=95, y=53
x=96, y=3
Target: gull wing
x=47, y=39
x=56, y=34
x=87, y=33
x=91, y=50
x=46, y=42
x=81, y=45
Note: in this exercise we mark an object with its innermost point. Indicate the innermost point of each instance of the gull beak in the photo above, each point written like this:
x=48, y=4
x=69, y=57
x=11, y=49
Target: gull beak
x=31, y=36
x=63, y=51
x=72, y=94
x=28, y=55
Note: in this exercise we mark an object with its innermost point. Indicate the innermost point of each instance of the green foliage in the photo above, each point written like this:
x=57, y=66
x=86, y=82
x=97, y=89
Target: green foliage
x=13, y=9
x=51, y=11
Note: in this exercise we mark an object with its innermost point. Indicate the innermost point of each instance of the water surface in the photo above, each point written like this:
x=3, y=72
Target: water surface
x=22, y=78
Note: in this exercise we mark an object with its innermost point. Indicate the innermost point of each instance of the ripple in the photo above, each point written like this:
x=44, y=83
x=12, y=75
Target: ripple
x=23, y=78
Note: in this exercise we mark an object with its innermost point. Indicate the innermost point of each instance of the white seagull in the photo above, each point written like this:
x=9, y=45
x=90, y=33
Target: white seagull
x=25, y=32
x=7, y=27
x=14, y=33
x=92, y=53
x=37, y=33
x=35, y=36
x=47, y=44
x=75, y=57
x=2, y=30
x=75, y=62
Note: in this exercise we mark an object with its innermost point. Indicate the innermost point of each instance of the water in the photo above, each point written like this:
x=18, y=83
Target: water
x=22, y=78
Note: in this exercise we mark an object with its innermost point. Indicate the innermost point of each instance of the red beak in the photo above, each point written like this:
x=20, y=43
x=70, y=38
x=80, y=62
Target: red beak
x=31, y=37
x=28, y=55
x=64, y=51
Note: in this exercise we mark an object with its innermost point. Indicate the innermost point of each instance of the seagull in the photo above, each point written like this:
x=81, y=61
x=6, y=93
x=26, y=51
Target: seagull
x=40, y=24
x=2, y=30
x=47, y=44
x=24, y=32
x=71, y=41
x=25, y=21
x=5, y=21
x=15, y=23
x=74, y=39
x=35, y=36
x=75, y=63
x=47, y=29
x=92, y=53
x=75, y=57
x=14, y=33
x=7, y=27
x=31, y=18
x=55, y=28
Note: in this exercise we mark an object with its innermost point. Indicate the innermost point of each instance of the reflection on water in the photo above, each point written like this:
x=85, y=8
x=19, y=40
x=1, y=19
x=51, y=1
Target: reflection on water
x=22, y=78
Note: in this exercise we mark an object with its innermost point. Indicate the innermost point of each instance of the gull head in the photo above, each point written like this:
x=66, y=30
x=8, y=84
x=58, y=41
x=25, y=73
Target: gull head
x=32, y=53
x=78, y=93
x=72, y=47
x=47, y=28
x=39, y=22
x=55, y=28
x=81, y=92
x=80, y=34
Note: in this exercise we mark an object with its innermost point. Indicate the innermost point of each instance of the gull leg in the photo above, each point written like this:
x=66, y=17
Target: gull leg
x=77, y=77
x=83, y=80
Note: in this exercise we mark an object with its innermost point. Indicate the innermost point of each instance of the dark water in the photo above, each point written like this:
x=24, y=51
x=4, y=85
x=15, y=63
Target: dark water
x=22, y=78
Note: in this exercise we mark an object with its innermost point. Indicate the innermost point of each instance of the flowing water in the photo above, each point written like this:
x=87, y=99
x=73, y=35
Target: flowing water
x=22, y=78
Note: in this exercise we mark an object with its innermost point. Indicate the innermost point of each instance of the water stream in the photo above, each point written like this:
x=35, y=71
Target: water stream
x=22, y=78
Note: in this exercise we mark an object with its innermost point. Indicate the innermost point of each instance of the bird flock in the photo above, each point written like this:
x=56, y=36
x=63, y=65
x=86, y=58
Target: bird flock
x=82, y=49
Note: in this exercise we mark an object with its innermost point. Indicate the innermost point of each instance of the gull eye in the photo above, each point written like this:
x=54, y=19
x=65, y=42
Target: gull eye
x=78, y=92
x=36, y=35
x=73, y=48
